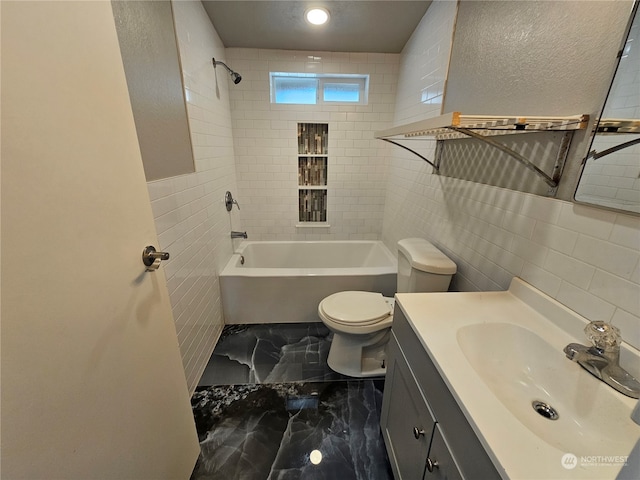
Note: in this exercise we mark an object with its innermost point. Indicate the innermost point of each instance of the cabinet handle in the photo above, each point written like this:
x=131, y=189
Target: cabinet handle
x=418, y=432
x=431, y=465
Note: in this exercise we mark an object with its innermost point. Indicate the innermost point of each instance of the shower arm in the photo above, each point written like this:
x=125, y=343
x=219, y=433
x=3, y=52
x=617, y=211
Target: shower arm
x=218, y=62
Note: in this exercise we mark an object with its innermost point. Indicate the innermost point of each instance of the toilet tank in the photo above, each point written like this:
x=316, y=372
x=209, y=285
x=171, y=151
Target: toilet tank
x=422, y=267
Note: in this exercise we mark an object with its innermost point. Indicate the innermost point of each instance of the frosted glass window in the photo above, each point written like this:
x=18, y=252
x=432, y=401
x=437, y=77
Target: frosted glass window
x=342, y=92
x=318, y=88
x=301, y=91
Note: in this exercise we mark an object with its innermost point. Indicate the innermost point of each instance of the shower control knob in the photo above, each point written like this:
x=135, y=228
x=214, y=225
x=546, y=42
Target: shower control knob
x=152, y=258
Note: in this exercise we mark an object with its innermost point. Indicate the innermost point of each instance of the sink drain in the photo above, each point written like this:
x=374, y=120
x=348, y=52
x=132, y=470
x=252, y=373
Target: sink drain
x=544, y=409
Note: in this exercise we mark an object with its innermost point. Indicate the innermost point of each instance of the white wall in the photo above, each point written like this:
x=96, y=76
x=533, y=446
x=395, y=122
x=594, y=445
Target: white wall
x=586, y=258
x=424, y=64
x=265, y=137
x=191, y=220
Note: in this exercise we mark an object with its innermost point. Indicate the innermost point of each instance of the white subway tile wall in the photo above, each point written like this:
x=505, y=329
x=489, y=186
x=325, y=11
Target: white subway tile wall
x=425, y=60
x=191, y=220
x=586, y=258
x=265, y=140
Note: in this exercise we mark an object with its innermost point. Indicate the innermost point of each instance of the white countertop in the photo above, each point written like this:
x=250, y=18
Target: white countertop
x=516, y=451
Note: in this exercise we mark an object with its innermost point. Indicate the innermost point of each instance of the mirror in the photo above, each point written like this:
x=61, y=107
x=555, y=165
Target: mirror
x=611, y=171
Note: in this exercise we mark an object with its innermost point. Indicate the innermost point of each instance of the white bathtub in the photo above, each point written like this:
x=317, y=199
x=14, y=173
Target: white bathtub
x=283, y=282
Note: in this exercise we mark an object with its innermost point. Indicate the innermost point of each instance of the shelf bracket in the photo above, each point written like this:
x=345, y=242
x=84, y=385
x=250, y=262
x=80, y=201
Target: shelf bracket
x=596, y=155
x=436, y=168
x=553, y=183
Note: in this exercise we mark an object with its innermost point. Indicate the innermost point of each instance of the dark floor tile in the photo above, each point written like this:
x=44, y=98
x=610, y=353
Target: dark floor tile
x=270, y=353
x=275, y=431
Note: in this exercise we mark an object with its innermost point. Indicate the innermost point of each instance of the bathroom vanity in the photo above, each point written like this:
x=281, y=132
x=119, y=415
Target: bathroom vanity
x=467, y=374
x=426, y=433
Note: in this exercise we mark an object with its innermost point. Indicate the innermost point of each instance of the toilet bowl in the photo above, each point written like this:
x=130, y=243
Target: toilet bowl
x=361, y=321
x=361, y=325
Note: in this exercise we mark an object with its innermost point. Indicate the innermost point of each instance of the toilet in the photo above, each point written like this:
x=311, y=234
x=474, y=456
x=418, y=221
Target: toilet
x=361, y=321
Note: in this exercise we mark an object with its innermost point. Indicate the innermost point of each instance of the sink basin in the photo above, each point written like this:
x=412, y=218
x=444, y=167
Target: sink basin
x=520, y=367
x=498, y=352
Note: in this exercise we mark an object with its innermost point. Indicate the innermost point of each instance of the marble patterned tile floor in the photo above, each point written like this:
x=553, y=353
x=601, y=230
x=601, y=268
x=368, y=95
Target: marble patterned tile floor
x=281, y=414
x=268, y=353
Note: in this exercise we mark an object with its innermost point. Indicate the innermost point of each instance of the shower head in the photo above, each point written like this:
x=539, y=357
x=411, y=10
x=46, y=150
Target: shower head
x=235, y=76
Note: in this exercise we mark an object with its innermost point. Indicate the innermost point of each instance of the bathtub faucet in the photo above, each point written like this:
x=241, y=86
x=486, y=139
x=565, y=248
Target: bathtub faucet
x=239, y=235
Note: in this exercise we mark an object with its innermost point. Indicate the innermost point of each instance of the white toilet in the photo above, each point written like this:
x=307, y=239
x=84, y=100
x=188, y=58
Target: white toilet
x=361, y=321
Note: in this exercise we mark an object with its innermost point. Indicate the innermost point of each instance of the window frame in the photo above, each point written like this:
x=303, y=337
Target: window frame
x=321, y=79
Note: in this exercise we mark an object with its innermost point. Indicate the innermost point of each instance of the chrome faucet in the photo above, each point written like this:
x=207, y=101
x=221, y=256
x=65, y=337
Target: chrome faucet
x=602, y=359
x=239, y=235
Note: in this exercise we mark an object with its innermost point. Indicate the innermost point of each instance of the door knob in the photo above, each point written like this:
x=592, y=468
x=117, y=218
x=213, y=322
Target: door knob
x=152, y=258
x=418, y=432
x=432, y=465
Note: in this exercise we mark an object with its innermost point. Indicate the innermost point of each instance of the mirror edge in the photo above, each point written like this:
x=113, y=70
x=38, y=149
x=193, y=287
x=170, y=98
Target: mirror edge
x=625, y=36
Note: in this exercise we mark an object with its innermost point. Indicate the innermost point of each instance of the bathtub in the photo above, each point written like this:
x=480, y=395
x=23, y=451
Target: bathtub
x=283, y=282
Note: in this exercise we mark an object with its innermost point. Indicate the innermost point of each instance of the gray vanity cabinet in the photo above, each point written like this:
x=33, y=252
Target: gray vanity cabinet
x=425, y=432
x=407, y=421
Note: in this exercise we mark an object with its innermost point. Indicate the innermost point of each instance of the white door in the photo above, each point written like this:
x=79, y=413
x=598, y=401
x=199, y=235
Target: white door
x=92, y=381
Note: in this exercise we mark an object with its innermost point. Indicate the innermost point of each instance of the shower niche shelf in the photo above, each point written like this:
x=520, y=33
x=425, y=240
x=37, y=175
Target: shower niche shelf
x=455, y=125
x=313, y=158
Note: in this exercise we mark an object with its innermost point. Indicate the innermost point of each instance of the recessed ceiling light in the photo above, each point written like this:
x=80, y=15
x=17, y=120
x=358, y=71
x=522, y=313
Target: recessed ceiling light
x=317, y=16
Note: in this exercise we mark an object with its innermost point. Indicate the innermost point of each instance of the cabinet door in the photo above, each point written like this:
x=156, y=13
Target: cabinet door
x=440, y=463
x=407, y=423
x=470, y=456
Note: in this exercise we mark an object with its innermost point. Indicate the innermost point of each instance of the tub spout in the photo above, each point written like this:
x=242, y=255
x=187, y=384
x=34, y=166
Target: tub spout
x=239, y=235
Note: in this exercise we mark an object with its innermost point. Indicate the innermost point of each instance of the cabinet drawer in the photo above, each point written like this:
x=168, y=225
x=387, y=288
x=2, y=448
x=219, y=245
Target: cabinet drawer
x=407, y=422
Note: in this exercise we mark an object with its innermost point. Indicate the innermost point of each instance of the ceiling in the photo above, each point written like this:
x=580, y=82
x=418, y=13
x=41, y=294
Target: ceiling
x=355, y=25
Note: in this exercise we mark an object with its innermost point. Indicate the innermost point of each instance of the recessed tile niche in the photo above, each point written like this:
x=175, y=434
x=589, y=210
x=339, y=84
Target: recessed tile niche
x=313, y=139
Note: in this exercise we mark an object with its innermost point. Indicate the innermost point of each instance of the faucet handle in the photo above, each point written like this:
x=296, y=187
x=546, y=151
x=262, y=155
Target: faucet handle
x=603, y=335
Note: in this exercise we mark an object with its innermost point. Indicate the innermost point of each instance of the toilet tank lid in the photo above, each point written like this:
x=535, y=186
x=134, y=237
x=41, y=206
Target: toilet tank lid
x=424, y=256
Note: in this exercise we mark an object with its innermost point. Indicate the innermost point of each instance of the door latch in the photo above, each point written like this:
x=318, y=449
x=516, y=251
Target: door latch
x=152, y=258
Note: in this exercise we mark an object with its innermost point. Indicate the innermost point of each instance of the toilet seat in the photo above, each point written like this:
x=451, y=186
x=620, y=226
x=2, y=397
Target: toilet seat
x=356, y=308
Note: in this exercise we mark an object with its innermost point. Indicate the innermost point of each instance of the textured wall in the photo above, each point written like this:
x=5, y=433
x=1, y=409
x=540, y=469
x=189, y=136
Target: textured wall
x=266, y=145
x=191, y=220
x=586, y=258
x=536, y=58
x=150, y=57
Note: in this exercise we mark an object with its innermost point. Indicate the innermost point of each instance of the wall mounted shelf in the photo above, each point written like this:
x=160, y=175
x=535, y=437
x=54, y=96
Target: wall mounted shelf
x=455, y=125
x=441, y=127
x=617, y=126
